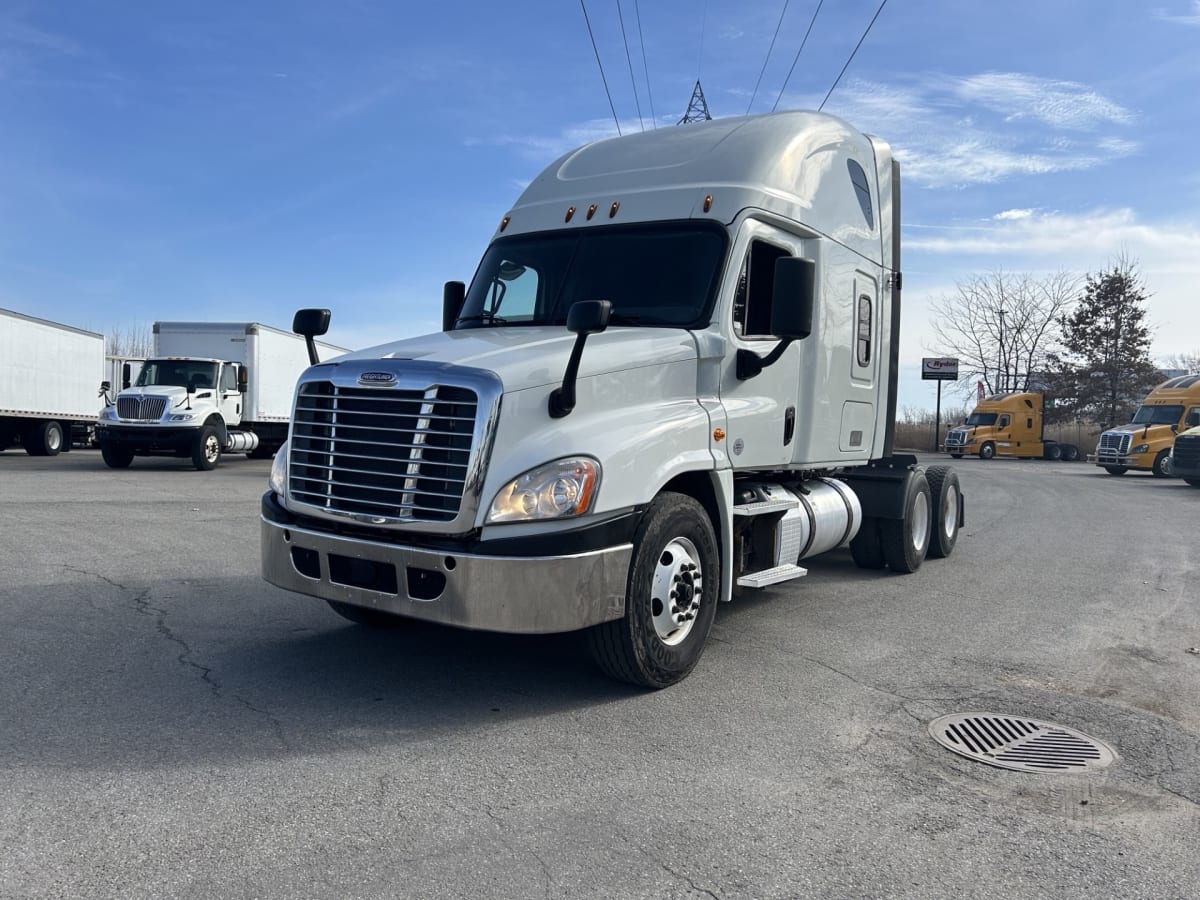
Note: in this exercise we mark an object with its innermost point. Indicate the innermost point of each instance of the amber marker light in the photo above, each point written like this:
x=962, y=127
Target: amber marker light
x=612, y=210
x=591, y=211
x=570, y=212
x=708, y=202
x=718, y=434
x=504, y=222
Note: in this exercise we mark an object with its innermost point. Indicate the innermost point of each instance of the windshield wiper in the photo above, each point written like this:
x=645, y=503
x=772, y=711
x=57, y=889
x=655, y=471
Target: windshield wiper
x=617, y=318
x=482, y=317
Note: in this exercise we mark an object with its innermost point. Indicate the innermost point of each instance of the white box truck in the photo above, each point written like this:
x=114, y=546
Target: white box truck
x=49, y=375
x=673, y=379
x=210, y=388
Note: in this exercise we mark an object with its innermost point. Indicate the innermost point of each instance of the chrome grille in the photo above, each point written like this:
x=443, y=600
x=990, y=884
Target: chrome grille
x=146, y=409
x=392, y=454
x=1187, y=451
x=956, y=437
x=1114, y=443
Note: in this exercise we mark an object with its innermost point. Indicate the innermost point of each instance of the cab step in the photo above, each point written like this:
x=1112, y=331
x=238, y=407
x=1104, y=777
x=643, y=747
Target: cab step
x=776, y=575
x=764, y=507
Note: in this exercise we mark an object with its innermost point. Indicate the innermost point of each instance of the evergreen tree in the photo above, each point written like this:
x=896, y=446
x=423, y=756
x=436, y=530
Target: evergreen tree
x=1105, y=369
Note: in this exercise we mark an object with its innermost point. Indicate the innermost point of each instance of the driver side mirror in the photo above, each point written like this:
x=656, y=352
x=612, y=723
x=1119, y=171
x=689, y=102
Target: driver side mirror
x=311, y=323
x=1193, y=419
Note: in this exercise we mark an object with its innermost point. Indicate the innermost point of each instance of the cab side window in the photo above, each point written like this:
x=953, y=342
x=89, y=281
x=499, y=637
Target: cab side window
x=1003, y=423
x=756, y=284
x=229, y=379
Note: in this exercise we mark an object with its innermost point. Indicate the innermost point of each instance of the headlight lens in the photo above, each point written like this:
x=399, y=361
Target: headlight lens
x=279, y=470
x=971, y=441
x=182, y=417
x=1141, y=448
x=109, y=413
x=557, y=490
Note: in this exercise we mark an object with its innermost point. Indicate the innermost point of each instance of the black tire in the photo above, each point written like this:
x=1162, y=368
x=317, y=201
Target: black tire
x=44, y=439
x=1053, y=452
x=116, y=456
x=1116, y=470
x=987, y=451
x=361, y=615
x=1070, y=452
x=866, y=547
x=906, y=541
x=206, y=449
x=658, y=642
x=1162, y=464
x=944, y=493
x=1194, y=482
x=956, y=456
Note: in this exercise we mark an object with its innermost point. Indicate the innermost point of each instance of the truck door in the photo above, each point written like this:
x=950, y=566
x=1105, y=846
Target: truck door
x=761, y=411
x=229, y=398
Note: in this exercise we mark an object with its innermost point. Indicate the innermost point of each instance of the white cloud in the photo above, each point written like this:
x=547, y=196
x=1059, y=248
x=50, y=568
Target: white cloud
x=1192, y=18
x=1011, y=214
x=1059, y=104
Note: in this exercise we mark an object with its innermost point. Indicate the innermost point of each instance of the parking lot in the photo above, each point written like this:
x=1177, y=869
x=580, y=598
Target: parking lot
x=173, y=726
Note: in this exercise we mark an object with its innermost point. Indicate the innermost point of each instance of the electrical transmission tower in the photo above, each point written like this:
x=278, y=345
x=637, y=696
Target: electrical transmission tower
x=697, y=110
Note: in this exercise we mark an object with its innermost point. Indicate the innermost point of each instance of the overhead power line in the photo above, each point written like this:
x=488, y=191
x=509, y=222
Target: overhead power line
x=645, y=66
x=629, y=60
x=768, y=57
x=852, y=52
x=796, y=58
x=607, y=93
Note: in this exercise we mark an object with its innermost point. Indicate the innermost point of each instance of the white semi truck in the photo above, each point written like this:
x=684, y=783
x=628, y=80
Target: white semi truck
x=49, y=375
x=672, y=379
x=210, y=388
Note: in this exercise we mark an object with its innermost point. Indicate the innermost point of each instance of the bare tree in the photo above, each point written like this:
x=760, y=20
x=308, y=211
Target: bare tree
x=1189, y=362
x=133, y=342
x=1001, y=327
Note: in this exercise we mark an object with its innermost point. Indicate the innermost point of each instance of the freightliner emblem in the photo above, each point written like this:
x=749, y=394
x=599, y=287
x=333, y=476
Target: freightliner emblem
x=380, y=378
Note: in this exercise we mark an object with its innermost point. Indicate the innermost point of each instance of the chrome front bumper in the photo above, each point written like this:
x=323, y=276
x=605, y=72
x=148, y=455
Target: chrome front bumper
x=526, y=595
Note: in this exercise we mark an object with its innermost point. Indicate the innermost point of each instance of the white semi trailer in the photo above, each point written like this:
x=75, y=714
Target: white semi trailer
x=672, y=379
x=49, y=376
x=210, y=388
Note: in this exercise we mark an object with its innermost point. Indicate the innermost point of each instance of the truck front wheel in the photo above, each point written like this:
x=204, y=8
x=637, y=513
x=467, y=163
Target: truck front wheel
x=670, y=598
x=1162, y=464
x=116, y=456
x=987, y=451
x=206, y=450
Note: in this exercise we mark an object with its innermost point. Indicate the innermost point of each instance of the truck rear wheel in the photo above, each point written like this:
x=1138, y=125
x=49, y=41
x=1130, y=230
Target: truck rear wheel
x=1070, y=452
x=206, y=451
x=944, y=493
x=44, y=439
x=1053, y=452
x=987, y=451
x=1162, y=464
x=906, y=541
x=670, y=598
x=116, y=456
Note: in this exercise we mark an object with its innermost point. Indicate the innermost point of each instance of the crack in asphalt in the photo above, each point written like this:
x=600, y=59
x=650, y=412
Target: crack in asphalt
x=679, y=875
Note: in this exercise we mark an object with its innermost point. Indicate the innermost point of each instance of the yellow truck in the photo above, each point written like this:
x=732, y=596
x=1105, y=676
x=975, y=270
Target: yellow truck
x=1010, y=424
x=1145, y=443
x=1185, y=457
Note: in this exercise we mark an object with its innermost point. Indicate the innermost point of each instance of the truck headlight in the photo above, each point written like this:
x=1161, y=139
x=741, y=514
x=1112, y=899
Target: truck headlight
x=277, y=480
x=971, y=441
x=109, y=414
x=181, y=417
x=557, y=490
x=1141, y=448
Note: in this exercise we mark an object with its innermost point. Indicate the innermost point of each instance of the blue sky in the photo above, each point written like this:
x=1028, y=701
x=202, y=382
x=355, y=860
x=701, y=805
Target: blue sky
x=237, y=161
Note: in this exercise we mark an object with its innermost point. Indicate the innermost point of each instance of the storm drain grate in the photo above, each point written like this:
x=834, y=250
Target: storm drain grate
x=1022, y=744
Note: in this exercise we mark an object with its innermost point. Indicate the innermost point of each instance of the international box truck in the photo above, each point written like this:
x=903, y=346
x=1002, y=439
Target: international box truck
x=210, y=388
x=1145, y=443
x=672, y=379
x=49, y=376
x=1010, y=424
x=1185, y=453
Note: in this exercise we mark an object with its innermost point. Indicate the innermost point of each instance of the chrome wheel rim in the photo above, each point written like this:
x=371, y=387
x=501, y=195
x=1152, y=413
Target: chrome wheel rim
x=920, y=521
x=676, y=591
x=950, y=511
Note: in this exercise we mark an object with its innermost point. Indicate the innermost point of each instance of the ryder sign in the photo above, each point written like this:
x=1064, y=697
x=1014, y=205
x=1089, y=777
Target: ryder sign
x=939, y=368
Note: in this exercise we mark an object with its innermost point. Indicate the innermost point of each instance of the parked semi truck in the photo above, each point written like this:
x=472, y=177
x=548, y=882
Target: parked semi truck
x=1185, y=454
x=673, y=379
x=1008, y=424
x=1145, y=443
x=49, y=374
x=210, y=388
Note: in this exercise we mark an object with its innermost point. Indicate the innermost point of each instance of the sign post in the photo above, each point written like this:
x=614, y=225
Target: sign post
x=939, y=369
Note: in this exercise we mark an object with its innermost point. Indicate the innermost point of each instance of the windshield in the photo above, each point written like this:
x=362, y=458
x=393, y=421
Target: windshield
x=981, y=419
x=659, y=275
x=179, y=373
x=1157, y=415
